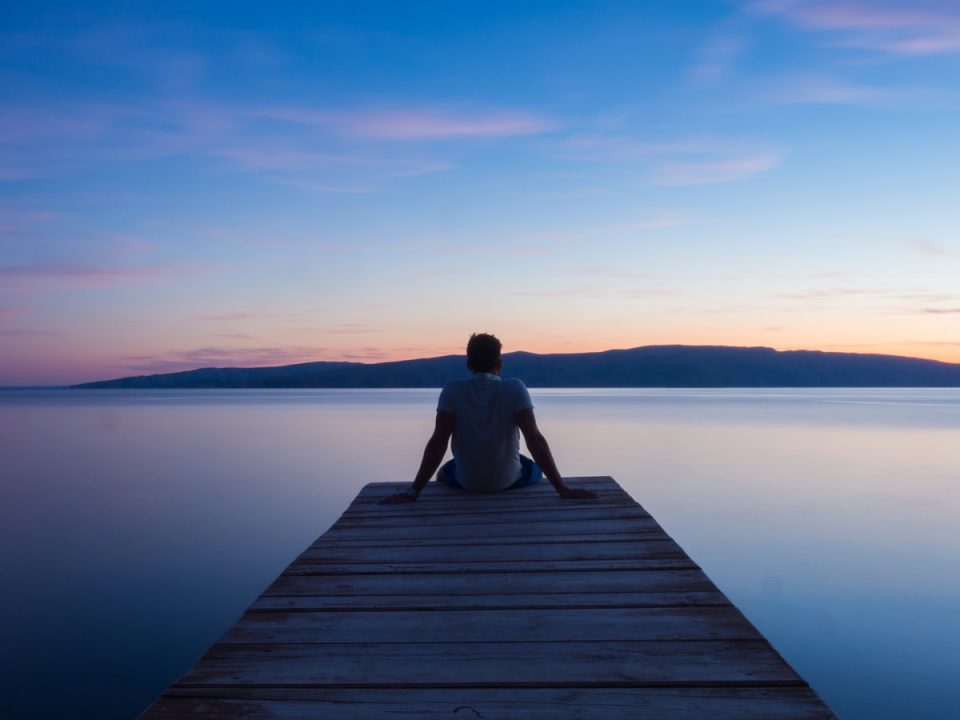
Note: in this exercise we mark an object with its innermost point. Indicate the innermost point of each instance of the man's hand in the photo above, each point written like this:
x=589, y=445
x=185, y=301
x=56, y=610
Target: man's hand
x=572, y=493
x=397, y=499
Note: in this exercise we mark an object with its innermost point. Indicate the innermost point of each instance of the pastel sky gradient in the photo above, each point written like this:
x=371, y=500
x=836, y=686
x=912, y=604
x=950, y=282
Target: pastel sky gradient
x=197, y=184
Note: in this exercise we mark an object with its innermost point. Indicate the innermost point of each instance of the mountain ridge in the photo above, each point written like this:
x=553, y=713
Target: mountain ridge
x=645, y=366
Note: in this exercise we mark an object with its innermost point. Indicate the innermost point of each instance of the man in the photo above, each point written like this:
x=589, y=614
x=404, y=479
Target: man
x=485, y=415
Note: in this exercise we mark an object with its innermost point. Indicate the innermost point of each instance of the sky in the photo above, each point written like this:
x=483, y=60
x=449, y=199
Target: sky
x=192, y=184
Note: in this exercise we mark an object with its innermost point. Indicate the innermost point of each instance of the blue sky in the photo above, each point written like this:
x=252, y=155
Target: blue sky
x=187, y=185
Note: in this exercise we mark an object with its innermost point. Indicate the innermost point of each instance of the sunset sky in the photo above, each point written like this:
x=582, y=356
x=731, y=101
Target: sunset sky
x=192, y=184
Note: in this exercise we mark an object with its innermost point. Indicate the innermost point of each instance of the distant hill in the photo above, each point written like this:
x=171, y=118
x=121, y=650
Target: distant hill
x=651, y=366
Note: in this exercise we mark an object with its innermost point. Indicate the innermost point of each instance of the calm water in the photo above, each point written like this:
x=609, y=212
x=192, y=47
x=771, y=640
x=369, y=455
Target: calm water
x=136, y=526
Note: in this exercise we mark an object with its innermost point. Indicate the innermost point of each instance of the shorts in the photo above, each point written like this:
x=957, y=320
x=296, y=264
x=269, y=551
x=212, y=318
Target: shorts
x=530, y=474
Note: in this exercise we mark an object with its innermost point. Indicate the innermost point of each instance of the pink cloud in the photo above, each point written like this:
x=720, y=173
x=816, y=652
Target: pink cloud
x=416, y=123
x=222, y=356
x=927, y=247
x=61, y=276
x=620, y=148
x=424, y=125
x=717, y=58
x=265, y=157
x=715, y=171
x=354, y=328
x=218, y=356
x=830, y=91
x=610, y=273
x=39, y=139
x=230, y=316
x=512, y=251
x=14, y=220
x=920, y=27
x=566, y=292
x=697, y=161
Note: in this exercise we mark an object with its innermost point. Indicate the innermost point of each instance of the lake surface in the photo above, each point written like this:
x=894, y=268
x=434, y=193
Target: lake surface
x=135, y=526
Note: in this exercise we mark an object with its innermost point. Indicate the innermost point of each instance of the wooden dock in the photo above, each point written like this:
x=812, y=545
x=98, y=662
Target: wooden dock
x=502, y=607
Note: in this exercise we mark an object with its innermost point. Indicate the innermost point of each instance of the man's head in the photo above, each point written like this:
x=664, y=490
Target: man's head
x=483, y=353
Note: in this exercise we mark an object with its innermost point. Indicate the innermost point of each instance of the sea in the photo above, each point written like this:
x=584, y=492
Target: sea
x=135, y=526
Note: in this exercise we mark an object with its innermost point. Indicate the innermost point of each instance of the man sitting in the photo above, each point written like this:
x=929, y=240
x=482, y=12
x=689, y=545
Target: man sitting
x=485, y=415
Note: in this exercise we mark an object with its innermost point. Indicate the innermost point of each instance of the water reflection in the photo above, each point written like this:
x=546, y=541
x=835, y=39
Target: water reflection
x=136, y=526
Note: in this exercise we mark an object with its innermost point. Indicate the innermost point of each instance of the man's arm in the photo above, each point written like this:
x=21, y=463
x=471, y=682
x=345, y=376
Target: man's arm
x=538, y=447
x=432, y=457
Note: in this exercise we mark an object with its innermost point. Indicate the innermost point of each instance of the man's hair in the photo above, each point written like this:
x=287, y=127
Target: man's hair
x=483, y=352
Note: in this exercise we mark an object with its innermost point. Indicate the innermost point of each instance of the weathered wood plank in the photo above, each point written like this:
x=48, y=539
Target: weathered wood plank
x=516, y=664
x=488, y=601
x=495, y=529
x=518, y=605
x=467, y=583
x=457, y=498
x=496, y=704
x=677, y=561
x=465, y=626
x=656, y=547
x=596, y=483
x=517, y=510
x=582, y=512
x=475, y=539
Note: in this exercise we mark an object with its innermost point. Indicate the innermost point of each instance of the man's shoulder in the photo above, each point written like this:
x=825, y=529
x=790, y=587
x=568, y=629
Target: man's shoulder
x=454, y=383
x=454, y=387
x=516, y=389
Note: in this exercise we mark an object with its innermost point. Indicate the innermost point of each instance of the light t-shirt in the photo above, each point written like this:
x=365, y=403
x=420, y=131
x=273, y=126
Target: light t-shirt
x=486, y=439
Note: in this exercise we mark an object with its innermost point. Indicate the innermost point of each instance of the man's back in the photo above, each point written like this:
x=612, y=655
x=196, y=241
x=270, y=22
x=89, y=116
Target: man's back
x=485, y=416
x=486, y=440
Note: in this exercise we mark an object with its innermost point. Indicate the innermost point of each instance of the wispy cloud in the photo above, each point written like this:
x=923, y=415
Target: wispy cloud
x=327, y=149
x=713, y=172
x=822, y=90
x=8, y=328
x=563, y=292
x=17, y=220
x=692, y=161
x=416, y=123
x=823, y=293
x=717, y=58
x=264, y=356
x=222, y=356
x=350, y=328
x=509, y=251
x=610, y=273
x=421, y=125
x=247, y=315
x=928, y=247
x=59, y=276
x=902, y=27
x=648, y=293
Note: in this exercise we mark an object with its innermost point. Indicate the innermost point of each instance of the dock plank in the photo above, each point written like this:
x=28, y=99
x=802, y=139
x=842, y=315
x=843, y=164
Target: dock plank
x=518, y=664
x=653, y=547
x=508, y=606
x=497, y=704
x=458, y=626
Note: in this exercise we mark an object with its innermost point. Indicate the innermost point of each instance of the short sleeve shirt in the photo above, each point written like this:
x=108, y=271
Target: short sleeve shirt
x=486, y=439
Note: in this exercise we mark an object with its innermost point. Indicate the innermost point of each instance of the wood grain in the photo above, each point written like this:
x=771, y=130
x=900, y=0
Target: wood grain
x=505, y=607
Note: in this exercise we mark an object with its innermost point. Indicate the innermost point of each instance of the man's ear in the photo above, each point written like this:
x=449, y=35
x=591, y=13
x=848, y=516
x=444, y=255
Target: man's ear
x=468, y=365
x=499, y=366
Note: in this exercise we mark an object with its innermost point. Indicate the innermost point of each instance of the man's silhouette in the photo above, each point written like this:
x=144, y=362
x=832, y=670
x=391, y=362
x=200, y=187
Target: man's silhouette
x=485, y=415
